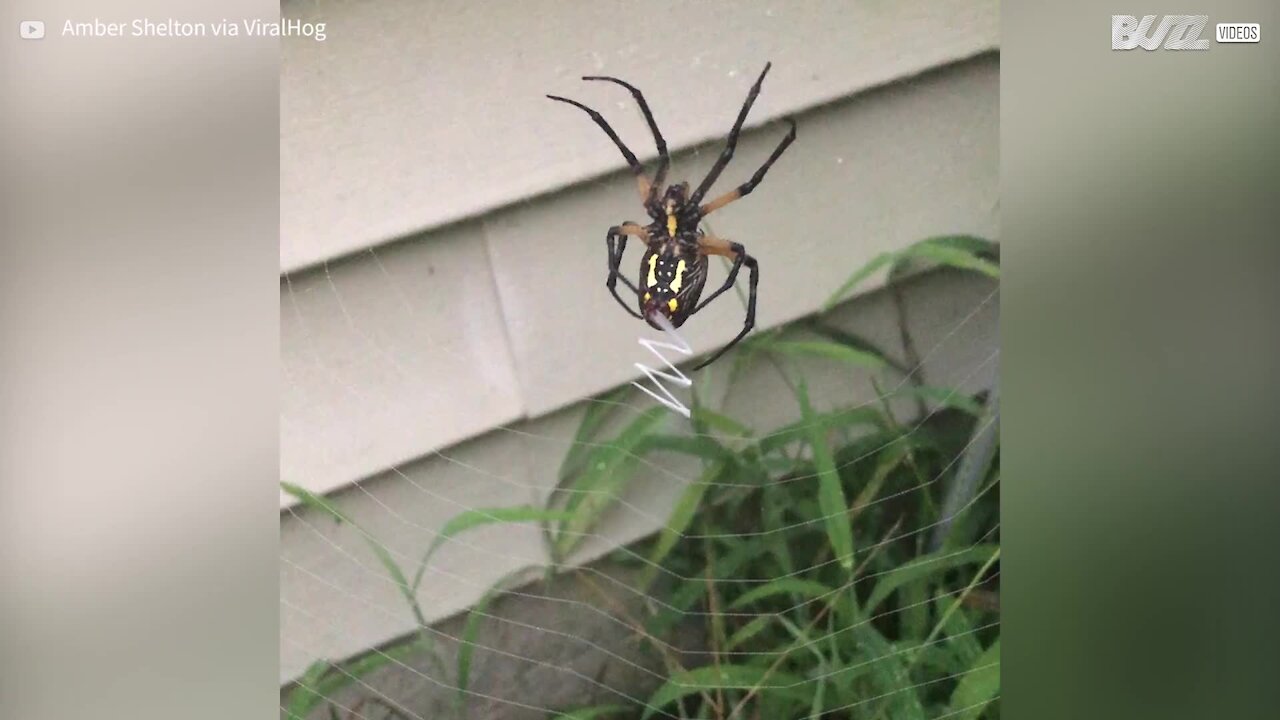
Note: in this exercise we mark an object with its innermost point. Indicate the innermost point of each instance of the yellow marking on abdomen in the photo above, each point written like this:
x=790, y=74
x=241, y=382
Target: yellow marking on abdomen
x=673, y=304
x=671, y=224
x=675, y=284
x=653, y=271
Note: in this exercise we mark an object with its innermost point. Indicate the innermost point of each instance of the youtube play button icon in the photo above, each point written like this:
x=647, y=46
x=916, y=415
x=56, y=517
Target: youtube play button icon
x=31, y=29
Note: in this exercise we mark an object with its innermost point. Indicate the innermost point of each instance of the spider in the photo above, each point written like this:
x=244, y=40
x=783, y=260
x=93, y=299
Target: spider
x=673, y=270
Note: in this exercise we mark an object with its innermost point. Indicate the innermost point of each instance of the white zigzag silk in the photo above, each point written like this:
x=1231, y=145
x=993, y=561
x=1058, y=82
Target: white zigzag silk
x=675, y=377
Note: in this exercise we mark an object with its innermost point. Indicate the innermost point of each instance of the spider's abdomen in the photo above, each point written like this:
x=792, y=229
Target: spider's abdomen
x=671, y=281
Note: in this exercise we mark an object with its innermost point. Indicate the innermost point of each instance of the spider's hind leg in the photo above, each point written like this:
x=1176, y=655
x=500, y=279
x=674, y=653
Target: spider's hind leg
x=711, y=245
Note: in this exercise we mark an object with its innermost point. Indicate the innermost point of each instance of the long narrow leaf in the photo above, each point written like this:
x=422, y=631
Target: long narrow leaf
x=712, y=677
x=831, y=500
x=717, y=421
x=483, y=516
x=598, y=411
x=750, y=630
x=312, y=500
x=857, y=277
x=953, y=251
x=891, y=674
x=467, y=646
x=608, y=469
x=790, y=586
x=923, y=567
x=697, y=446
x=890, y=458
x=834, y=420
x=399, y=654
x=831, y=351
x=305, y=696
x=979, y=686
x=681, y=515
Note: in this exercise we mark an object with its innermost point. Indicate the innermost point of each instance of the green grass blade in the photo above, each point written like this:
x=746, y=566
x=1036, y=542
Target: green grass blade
x=803, y=639
x=717, y=421
x=791, y=586
x=815, y=710
x=697, y=446
x=712, y=677
x=975, y=464
x=979, y=247
x=962, y=643
x=836, y=420
x=891, y=675
x=607, y=471
x=857, y=277
x=924, y=566
x=467, y=644
x=305, y=697
x=962, y=251
x=597, y=414
x=483, y=516
x=857, y=342
x=890, y=458
x=750, y=630
x=831, y=500
x=312, y=500
x=979, y=686
x=831, y=351
x=948, y=252
x=942, y=397
x=681, y=515
x=324, y=680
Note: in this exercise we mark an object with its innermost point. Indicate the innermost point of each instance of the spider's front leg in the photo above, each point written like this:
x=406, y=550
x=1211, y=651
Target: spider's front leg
x=617, y=241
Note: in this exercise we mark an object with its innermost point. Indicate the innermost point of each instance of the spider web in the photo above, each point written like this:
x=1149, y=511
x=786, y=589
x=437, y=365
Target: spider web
x=546, y=637
x=366, y=697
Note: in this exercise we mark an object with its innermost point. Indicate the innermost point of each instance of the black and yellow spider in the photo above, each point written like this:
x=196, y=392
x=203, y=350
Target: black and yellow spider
x=673, y=270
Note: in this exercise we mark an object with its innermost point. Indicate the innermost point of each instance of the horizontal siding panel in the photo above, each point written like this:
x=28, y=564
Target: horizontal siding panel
x=389, y=355
x=411, y=115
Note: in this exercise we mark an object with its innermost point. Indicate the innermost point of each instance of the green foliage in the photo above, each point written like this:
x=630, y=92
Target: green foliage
x=721, y=677
x=829, y=350
x=963, y=252
x=831, y=500
x=811, y=566
x=979, y=686
x=820, y=593
x=483, y=516
x=605, y=472
x=323, y=679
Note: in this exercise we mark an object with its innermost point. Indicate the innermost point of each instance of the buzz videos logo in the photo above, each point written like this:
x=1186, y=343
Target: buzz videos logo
x=1176, y=32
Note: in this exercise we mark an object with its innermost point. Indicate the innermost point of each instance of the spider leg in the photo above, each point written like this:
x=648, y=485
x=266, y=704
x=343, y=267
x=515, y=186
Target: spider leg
x=745, y=188
x=642, y=180
x=664, y=159
x=712, y=245
x=617, y=241
x=730, y=143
